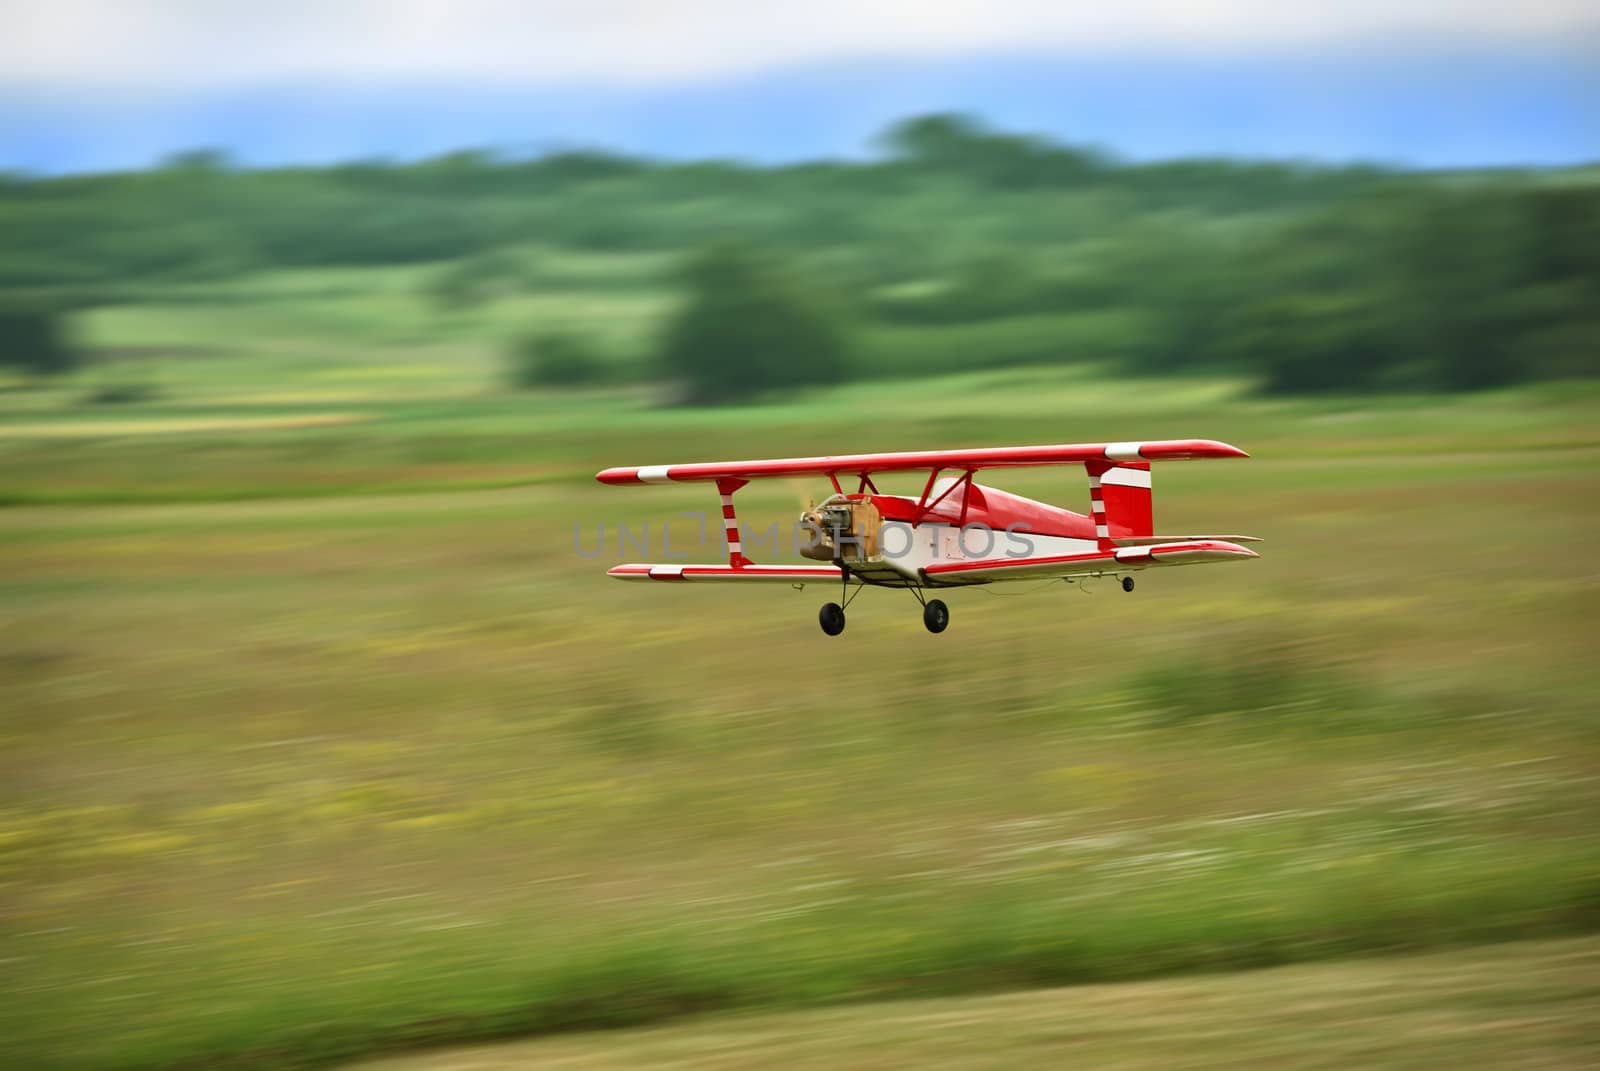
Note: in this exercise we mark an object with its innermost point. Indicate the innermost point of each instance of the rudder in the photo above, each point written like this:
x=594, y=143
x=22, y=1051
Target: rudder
x=1119, y=496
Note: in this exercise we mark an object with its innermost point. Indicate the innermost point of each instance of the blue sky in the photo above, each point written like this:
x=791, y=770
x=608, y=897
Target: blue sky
x=91, y=84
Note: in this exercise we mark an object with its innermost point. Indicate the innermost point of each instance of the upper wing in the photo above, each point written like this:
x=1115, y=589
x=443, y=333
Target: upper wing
x=1121, y=560
x=989, y=457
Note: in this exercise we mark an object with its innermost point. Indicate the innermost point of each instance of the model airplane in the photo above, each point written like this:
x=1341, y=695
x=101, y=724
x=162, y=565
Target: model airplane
x=956, y=532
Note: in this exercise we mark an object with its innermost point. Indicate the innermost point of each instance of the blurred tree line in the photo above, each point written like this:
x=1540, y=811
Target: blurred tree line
x=957, y=243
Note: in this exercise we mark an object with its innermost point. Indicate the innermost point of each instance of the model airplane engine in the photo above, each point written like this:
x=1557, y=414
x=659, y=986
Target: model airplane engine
x=841, y=529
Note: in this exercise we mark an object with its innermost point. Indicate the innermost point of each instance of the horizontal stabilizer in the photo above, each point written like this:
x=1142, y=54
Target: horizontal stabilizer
x=772, y=574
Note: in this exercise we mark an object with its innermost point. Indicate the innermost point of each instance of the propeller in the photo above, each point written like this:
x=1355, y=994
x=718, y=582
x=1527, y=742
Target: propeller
x=802, y=493
x=812, y=545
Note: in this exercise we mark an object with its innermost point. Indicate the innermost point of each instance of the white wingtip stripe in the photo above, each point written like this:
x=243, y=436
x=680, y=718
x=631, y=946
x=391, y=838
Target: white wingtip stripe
x=653, y=473
x=1127, y=478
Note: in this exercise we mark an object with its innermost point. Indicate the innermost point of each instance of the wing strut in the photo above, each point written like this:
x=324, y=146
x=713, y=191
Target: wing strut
x=925, y=508
x=730, y=523
x=1097, y=503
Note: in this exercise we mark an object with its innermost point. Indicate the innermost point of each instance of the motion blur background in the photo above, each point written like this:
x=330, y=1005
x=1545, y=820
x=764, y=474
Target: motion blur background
x=324, y=733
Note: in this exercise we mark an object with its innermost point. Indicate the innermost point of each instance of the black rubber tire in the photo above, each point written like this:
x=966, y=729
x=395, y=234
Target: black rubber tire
x=936, y=616
x=1127, y=583
x=831, y=618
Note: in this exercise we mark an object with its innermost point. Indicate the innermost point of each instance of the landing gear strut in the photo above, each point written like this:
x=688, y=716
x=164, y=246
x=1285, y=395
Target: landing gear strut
x=1127, y=583
x=831, y=616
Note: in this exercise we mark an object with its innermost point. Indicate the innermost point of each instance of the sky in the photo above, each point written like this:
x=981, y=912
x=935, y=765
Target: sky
x=106, y=84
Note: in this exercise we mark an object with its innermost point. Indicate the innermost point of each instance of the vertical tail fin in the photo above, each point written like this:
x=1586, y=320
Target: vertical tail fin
x=1119, y=496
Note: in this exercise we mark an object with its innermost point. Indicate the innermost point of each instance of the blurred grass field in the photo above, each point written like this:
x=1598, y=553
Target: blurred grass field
x=1526, y=1005
x=325, y=732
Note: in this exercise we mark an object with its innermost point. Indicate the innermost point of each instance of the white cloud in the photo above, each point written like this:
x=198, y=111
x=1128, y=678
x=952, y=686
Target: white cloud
x=188, y=42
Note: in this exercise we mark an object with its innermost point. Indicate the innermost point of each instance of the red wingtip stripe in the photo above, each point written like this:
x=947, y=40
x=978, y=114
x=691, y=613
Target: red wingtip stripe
x=1177, y=449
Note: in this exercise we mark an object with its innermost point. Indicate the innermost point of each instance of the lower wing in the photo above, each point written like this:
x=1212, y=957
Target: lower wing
x=1120, y=560
x=775, y=574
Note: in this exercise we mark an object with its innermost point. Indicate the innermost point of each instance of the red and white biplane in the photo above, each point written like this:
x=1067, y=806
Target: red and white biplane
x=956, y=532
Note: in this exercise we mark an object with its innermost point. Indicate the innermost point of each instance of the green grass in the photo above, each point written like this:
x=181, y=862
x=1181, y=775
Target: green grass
x=320, y=739
x=1530, y=1005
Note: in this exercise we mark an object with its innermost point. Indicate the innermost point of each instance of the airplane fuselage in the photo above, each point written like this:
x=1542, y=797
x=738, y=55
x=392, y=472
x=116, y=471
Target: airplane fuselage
x=895, y=541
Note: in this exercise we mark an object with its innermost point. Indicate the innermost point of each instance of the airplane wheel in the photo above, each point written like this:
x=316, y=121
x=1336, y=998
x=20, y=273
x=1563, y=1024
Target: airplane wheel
x=1127, y=583
x=936, y=615
x=831, y=618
